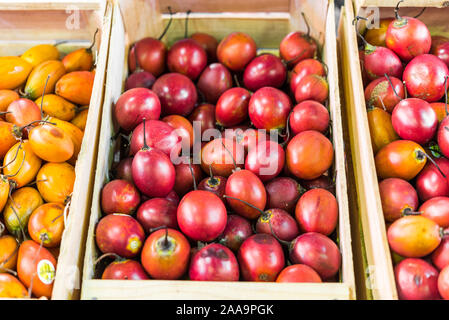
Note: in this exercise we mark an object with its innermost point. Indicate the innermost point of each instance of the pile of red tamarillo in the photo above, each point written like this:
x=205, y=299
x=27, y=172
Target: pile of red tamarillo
x=405, y=72
x=242, y=212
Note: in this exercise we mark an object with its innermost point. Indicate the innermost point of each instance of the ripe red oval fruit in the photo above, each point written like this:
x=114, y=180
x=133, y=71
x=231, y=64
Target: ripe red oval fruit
x=134, y=105
x=298, y=273
x=157, y=212
x=304, y=68
x=139, y=79
x=318, y=252
x=309, y=154
x=214, y=262
x=150, y=53
x=177, y=94
x=221, y=158
x=408, y=37
x=378, y=61
x=183, y=129
x=416, y=280
x=398, y=197
x=213, y=81
x=214, y=184
x=22, y=112
x=201, y=215
x=209, y=43
x=312, y=87
x=261, y=258
x=187, y=57
x=165, y=254
x=309, y=115
x=437, y=210
x=184, y=182
x=443, y=136
x=204, y=115
x=265, y=70
x=237, y=230
x=442, y=51
x=283, y=193
x=232, y=107
x=124, y=269
x=317, y=211
x=380, y=93
x=414, y=236
x=236, y=50
x=269, y=108
x=119, y=196
x=440, y=257
x=124, y=170
x=246, y=186
x=430, y=182
x=443, y=283
x=279, y=223
x=297, y=46
x=425, y=76
x=119, y=234
x=266, y=160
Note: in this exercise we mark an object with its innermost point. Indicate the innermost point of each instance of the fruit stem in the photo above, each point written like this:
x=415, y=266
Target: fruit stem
x=396, y=10
x=382, y=102
x=43, y=94
x=286, y=63
x=286, y=243
x=106, y=255
x=145, y=146
x=2, y=228
x=307, y=24
x=233, y=160
x=245, y=202
x=444, y=233
x=93, y=41
x=287, y=131
x=186, y=25
x=421, y=154
x=168, y=24
x=15, y=156
x=20, y=167
x=410, y=212
x=355, y=23
x=237, y=82
x=193, y=175
x=36, y=121
x=166, y=243
x=419, y=14
x=24, y=237
x=405, y=89
x=213, y=180
x=156, y=229
x=392, y=87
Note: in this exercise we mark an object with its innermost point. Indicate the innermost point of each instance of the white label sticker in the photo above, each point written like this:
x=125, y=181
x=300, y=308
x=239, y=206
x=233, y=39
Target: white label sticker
x=46, y=271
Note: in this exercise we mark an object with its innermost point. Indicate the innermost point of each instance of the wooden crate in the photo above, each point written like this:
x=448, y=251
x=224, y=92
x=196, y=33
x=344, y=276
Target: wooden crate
x=374, y=268
x=267, y=28
x=24, y=24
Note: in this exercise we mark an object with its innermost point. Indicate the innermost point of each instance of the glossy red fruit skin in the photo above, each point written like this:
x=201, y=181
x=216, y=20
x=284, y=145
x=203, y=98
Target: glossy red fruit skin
x=283, y=193
x=209, y=43
x=304, y=68
x=119, y=196
x=408, y=37
x=430, y=182
x=216, y=185
x=119, y=234
x=297, y=46
x=201, y=215
x=397, y=196
x=265, y=70
x=380, y=91
x=245, y=136
x=204, y=114
x=166, y=260
x=424, y=77
x=172, y=197
x=221, y=158
x=237, y=230
x=380, y=60
x=213, y=81
x=157, y=212
x=298, y=273
x=309, y=154
x=269, y=108
x=236, y=50
x=134, y=105
x=153, y=173
x=261, y=258
x=318, y=252
x=442, y=52
x=443, y=283
x=23, y=111
x=177, y=94
x=245, y=185
x=414, y=119
x=187, y=57
x=416, y=280
x=312, y=87
x=159, y=135
x=440, y=257
x=436, y=209
x=317, y=211
x=123, y=170
x=232, y=107
x=443, y=136
x=214, y=262
x=309, y=115
x=283, y=225
x=151, y=55
x=139, y=79
x=266, y=160
x=124, y=270
x=184, y=180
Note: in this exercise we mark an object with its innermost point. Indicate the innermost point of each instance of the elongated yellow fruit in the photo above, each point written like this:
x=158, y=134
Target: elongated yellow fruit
x=40, y=53
x=13, y=72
